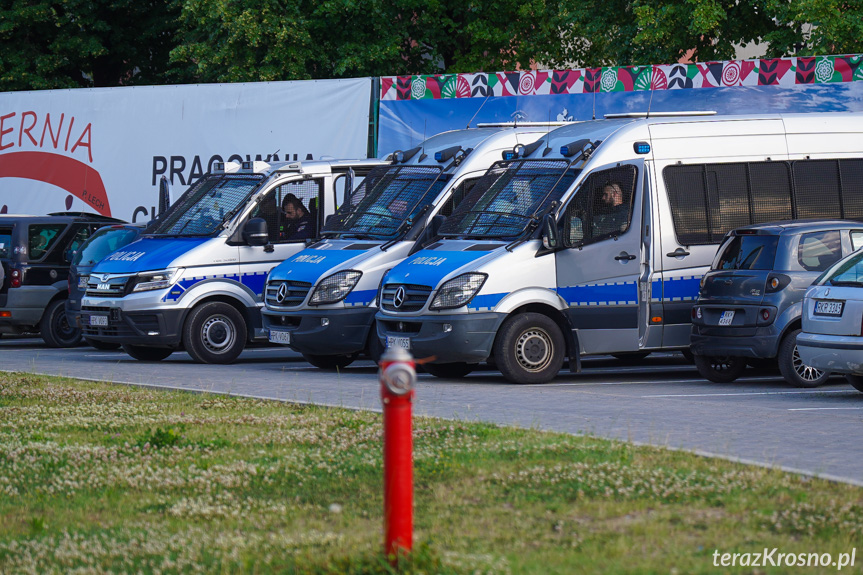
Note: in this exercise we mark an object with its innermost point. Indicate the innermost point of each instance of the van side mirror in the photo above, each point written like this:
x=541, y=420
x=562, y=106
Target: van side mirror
x=550, y=233
x=255, y=232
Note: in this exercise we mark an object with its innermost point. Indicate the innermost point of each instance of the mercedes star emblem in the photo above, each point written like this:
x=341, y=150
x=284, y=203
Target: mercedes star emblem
x=399, y=297
x=282, y=293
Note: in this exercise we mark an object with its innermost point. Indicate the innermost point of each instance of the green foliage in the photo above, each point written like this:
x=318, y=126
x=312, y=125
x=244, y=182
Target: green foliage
x=81, y=43
x=159, y=437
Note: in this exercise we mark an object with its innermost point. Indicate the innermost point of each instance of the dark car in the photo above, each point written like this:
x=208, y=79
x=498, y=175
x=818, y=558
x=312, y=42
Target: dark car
x=99, y=245
x=35, y=253
x=749, y=308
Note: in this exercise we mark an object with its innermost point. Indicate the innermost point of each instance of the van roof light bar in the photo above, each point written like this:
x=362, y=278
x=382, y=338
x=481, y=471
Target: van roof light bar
x=521, y=124
x=682, y=114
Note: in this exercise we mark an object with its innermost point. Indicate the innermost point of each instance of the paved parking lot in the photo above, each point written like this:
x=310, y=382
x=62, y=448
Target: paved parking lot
x=661, y=400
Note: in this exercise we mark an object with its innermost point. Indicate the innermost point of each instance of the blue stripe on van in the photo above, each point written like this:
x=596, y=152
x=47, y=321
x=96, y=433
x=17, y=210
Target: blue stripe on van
x=361, y=298
x=254, y=281
x=485, y=302
x=619, y=293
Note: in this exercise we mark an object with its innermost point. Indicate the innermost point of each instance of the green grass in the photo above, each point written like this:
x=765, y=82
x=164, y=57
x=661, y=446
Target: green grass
x=106, y=478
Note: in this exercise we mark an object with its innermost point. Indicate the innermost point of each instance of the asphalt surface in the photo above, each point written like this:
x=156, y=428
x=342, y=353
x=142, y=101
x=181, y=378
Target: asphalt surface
x=660, y=400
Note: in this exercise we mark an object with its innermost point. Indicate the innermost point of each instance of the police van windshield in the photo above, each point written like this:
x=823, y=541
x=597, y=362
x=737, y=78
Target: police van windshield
x=102, y=243
x=386, y=201
x=210, y=201
x=508, y=197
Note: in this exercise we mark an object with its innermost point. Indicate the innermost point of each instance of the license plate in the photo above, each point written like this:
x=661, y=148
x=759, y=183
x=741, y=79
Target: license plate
x=726, y=318
x=833, y=308
x=404, y=342
x=82, y=282
x=99, y=320
x=277, y=336
x=103, y=287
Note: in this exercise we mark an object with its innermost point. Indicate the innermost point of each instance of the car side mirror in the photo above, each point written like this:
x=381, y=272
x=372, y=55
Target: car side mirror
x=550, y=233
x=255, y=232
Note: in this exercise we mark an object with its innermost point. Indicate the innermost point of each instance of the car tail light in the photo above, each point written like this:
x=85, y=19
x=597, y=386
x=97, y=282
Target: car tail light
x=15, y=279
x=776, y=282
x=765, y=314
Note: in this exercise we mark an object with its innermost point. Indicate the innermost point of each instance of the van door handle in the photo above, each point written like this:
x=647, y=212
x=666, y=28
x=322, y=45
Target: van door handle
x=624, y=257
x=678, y=253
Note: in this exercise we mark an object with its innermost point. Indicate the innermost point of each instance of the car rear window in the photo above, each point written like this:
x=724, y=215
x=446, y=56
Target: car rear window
x=5, y=243
x=747, y=253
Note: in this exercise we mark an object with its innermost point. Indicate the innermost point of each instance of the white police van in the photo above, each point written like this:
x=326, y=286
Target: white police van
x=597, y=241
x=321, y=302
x=196, y=277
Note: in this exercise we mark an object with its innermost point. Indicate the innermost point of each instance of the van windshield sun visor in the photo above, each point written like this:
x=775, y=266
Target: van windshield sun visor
x=508, y=197
x=387, y=199
x=206, y=205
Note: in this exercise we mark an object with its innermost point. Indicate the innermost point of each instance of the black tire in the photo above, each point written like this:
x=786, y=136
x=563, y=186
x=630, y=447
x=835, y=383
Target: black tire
x=529, y=348
x=449, y=370
x=374, y=347
x=720, y=369
x=633, y=357
x=214, y=332
x=145, y=353
x=792, y=367
x=56, y=329
x=103, y=345
x=856, y=381
x=329, y=362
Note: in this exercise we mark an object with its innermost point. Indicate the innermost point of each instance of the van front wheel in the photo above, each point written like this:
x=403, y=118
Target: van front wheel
x=215, y=332
x=529, y=348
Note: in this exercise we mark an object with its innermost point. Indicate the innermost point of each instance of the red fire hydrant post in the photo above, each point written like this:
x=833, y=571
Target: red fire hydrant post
x=398, y=376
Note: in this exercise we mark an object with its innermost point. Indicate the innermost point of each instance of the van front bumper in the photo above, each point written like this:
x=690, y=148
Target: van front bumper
x=465, y=338
x=157, y=328
x=346, y=330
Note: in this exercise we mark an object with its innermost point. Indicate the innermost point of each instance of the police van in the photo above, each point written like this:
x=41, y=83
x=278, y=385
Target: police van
x=596, y=242
x=320, y=302
x=195, y=279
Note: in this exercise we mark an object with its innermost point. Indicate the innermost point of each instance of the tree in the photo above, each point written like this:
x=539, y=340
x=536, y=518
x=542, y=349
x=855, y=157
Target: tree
x=82, y=43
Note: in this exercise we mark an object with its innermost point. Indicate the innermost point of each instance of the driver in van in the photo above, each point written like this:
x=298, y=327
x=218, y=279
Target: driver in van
x=612, y=214
x=297, y=222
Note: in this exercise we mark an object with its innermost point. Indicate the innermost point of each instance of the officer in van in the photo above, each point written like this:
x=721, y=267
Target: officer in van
x=611, y=213
x=297, y=223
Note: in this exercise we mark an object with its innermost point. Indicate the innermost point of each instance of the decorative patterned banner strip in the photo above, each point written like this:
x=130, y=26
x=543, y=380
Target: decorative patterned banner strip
x=764, y=72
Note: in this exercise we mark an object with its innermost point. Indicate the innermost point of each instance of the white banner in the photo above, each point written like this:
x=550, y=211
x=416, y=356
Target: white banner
x=104, y=150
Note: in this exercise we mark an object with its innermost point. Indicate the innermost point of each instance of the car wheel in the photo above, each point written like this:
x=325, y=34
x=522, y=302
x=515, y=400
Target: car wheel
x=720, y=369
x=330, y=362
x=56, y=329
x=103, y=345
x=449, y=370
x=856, y=381
x=529, y=348
x=215, y=332
x=146, y=353
x=792, y=367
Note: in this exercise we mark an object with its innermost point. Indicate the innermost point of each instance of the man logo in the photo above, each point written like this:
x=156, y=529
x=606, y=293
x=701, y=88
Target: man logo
x=282, y=293
x=399, y=297
x=104, y=277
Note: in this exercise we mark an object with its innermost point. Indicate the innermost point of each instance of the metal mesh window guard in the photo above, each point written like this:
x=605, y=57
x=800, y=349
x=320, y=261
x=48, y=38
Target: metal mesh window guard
x=386, y=198
x=505, y=199
x=202, y=209
x=602, y=206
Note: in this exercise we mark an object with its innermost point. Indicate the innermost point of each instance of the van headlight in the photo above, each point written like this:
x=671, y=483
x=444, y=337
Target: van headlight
x=336, y=287
x=458, y=291
x=162, y=279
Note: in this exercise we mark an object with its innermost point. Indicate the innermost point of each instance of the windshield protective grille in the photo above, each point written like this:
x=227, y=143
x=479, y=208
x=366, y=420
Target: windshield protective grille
x=208, y=203
x=385, y=199
x=508, y=196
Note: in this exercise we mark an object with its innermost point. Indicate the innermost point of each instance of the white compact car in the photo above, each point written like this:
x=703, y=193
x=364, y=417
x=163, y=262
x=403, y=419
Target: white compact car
x=832, y=337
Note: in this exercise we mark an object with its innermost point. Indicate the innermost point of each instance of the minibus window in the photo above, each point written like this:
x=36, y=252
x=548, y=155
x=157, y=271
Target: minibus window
x=291, y=211
x=209, y=202
x=504, y=201
x=387, y=198
x=602, y=206
x=41, y=238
